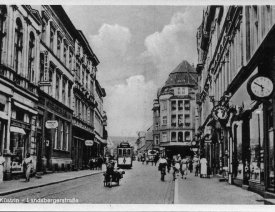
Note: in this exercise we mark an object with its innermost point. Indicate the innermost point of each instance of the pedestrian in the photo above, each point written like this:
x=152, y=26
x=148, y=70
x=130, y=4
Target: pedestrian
x=142, y=159
x=191, y=165
x=2, y=162
x=203, y=166
x=147, y=160
x=156, y=159
x=28, y=166
x=169, y=162
x=184, y=168
x=176, y=166
x=100, y=162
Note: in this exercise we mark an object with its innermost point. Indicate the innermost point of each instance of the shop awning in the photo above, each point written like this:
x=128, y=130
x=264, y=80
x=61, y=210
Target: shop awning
x=4, y=116
x=100, y=139
x=17, y=130
x=25, y=108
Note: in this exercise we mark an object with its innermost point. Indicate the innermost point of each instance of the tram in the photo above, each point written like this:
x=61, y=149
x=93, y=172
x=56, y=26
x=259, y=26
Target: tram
x=125, y=155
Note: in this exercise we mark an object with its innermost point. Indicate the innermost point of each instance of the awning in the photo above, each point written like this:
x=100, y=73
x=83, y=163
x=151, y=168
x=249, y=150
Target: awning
x=25, y=108
x=17, y=130
x=100, y=139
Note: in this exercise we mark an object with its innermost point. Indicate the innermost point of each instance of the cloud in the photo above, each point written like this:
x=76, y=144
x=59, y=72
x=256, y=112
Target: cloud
x=175, y=43
x=129, y=106
x=111, y=45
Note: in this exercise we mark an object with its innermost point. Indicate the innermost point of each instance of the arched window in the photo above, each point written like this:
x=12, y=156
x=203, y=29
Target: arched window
x=18, y=45
x=180, y=137
x=31, y=57
x=3, y=14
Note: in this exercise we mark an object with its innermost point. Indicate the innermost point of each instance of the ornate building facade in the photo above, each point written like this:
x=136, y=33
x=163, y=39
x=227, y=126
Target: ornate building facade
x=47, y=89
x=236, y=43
x=174, y=112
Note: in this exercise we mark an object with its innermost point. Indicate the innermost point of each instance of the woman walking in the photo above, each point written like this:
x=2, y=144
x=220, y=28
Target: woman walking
x=28, y=166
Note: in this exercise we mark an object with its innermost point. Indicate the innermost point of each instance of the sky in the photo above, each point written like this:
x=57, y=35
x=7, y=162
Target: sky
x=137, y=46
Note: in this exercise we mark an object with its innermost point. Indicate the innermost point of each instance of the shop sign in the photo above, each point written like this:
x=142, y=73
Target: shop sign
x=194, y=149
x=220, y=112
x=16, y=167
x=51, y=124
x=89, y=143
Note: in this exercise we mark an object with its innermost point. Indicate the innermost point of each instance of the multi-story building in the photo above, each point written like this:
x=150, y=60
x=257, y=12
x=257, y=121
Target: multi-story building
x=84, y=103
x=235, y=129
x=20, y=28
x=48, y=90
x=174, y=112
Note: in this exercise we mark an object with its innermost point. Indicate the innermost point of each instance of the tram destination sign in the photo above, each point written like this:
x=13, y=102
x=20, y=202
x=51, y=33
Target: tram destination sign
x=51, y=124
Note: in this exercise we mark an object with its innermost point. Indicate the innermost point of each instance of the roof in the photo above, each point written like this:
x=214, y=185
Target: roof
x=183, y=75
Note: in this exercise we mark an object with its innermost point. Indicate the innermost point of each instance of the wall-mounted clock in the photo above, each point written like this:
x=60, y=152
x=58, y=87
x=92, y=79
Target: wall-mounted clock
x=260, y=87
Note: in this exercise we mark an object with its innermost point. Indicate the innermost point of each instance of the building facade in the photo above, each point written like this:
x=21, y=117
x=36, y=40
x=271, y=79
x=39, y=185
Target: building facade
x=46, y=68
x=174, y=112
x=235, y=43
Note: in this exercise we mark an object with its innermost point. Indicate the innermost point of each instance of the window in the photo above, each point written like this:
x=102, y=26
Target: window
x=174, y=105
x=124, y=152
x=59, y=42
x=187, y=120
x=41, y=76
x=164, y=120
x=64, y=82
x=128, y=152
x=78, y=72
x=157, y=140
x=173, y=136
x=83, y=77
x=55, y=138
x=173, y=120
x=65, y=49
x=69, y=94
x=92, y=87
x=180, y=137
x=187, y=136
x=180, y=121
x=66, y=144
x=187, y=104
x=52, y=33
x=70, y=60
x=120, y=152
x=31, y=57
x=51, y=78
x=180, y=105
x=57, y=86
x=3, y=13
x=87, y=80
x=61, y=134
x=18, y=45
x=43, y=33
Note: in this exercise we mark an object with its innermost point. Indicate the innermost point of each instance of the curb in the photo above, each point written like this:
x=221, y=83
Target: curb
x=176, y=192
x=46, y=184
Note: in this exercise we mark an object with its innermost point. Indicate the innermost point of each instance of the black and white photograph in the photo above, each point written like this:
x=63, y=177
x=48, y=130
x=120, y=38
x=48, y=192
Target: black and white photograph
x=137, y=105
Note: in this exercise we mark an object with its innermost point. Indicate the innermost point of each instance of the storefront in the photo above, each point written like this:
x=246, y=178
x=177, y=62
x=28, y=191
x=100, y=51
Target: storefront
x=55, y=150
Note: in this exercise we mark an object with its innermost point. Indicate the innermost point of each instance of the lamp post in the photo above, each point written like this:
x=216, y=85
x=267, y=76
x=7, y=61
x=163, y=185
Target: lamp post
x=258, y=112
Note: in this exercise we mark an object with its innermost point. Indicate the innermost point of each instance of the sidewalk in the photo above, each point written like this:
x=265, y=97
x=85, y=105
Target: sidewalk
x=8, y=187
x=196, y=190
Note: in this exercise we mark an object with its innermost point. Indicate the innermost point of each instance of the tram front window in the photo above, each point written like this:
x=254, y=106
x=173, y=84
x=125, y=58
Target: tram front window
x=128, y=152
x=120, y=152
x=124, y=152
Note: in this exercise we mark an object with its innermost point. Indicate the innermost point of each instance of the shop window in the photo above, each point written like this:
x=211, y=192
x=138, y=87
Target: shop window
x=256, y=146
x=180, y=137
x=173, y=136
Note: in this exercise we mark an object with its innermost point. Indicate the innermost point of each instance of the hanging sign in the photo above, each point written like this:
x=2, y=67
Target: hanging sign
x=89, y=143
x=51, y=124
x=220, y=112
